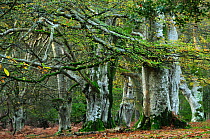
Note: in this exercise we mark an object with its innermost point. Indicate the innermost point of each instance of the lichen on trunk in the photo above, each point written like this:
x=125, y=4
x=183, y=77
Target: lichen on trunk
x=18, y=119
x=127, y=105
x=99, y=99
x=156, y=102
x=94, y=112
x=194, y=97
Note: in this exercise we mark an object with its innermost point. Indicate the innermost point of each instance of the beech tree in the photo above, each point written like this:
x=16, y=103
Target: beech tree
x=82, y=40
x=158, y=82
x=128, y=102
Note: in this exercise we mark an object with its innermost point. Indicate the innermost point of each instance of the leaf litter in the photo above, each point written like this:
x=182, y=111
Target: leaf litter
x=197, y=130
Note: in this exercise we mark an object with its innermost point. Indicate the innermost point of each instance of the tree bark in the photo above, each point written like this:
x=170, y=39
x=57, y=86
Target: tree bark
x=156, y=102
x=128, y=102
x=175, y=70
x=65, y=105
x=99, y=92
x=19, y=116
x=65, y=100
x=194, y=97
x=174, y=79
x=18, y=119
x=99, y=99
x=160, y=87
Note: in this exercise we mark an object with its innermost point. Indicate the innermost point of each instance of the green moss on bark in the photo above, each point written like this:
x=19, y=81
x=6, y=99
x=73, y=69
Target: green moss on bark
x=155, y=122
x=166, y=118
x=97, y=125
x=198, y=114
x=110, y=124
x=143, y=123
x=111, y=73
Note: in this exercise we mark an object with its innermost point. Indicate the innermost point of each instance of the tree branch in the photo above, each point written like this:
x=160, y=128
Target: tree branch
x=61, y=67
x=14, y=30
x=104, y=27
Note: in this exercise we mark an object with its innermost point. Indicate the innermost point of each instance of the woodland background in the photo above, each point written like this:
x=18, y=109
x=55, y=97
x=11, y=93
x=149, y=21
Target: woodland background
x=51, y=49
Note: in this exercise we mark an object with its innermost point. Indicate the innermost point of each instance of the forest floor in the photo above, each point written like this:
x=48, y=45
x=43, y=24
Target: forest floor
x=197, y=130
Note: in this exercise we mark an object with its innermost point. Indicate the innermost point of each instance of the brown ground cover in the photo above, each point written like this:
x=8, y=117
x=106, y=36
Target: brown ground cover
x=198, y=130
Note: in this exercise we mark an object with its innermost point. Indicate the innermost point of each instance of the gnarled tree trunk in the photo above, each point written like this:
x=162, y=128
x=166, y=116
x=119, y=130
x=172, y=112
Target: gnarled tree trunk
x=156, y=102
x=194, y=97
x=99, y=98
x=99, y=92
x=160, y=87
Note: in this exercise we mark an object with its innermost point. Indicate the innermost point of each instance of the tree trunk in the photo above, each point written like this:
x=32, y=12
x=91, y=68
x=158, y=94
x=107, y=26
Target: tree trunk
x=128, y=102
x=19, y=116
x=18, y=119
x=94, y=112
x=99, y=93
x=194, y=97
x=174, y=79
x=137, y=81
x=65, y=100
x=99, y=99
x=65, y=105
x=156, y=102
x=131, y=100
x=206, y=102
x=175, y=70
x=160, y=86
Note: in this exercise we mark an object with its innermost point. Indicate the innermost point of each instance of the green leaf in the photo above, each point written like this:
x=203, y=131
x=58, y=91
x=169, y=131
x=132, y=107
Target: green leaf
x=43, y=65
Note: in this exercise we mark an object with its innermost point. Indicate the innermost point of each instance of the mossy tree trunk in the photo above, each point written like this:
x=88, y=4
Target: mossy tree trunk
x=137, y=81
x=94, y=112
x=161, y=86
x=99, y=93
x=156, y=101
x=18, y=119
x=111, y=74
x=99, y=98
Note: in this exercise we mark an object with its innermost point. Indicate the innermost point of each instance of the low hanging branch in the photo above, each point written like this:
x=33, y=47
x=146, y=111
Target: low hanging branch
x=14, y=30
x=60, y=68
